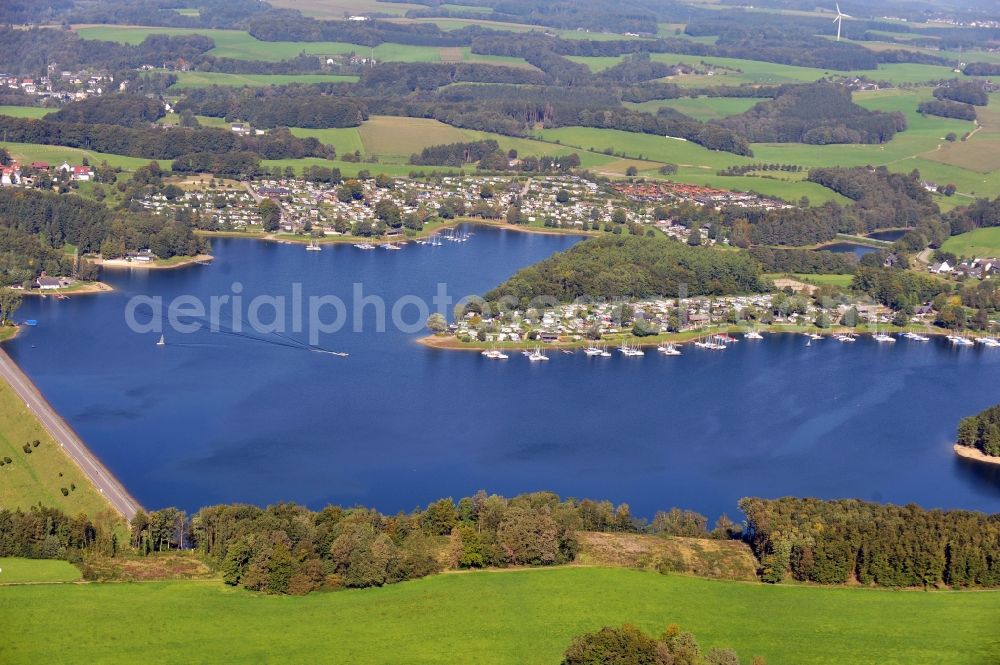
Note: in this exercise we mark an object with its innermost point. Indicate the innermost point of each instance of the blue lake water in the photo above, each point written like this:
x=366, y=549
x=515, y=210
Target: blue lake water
x=849, y=248
x=215, y=418
x=890, y=236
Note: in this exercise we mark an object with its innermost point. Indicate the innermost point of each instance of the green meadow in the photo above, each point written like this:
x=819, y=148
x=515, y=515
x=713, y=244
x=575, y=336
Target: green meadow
x=32, y=571
x=25, y=111
x=700, y=108
x=517, y=617
x=56, y=154
x=205, y=79
x=979, y=242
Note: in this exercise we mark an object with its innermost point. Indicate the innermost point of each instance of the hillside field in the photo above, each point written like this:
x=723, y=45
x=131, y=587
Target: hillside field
x=517, y=617
x=979, y=242
x=205, y=79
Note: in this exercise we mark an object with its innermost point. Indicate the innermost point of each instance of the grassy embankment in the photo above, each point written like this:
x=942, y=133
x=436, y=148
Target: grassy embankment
x=521, y=616
x=39, y=476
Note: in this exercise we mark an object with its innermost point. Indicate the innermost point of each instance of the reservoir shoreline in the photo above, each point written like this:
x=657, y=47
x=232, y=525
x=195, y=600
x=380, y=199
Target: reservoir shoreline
x=975, y=454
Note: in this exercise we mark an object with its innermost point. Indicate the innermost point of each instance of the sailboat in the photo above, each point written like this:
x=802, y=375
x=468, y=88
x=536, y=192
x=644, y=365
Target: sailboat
x=537, y=355
x=161, y=342
x=883, y=337
x=313, y=247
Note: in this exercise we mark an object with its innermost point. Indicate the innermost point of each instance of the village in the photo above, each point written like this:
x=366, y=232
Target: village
x=60, y=85
x=572, y=324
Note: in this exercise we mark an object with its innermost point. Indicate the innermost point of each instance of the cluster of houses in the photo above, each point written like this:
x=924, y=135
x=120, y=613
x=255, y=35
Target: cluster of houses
x=677, y=192
x=978, y=268
x=63, y=86
x=579, y=321
x=15, y=175
x=558, y=201
x=216, y=209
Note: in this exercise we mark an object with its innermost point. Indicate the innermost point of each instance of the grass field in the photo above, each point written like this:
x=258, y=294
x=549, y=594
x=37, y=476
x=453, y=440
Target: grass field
x=25, y=111
x=23, y=571
x=700, y=108
x=205, y=79
x=980, y=242
x=841, y=281
x=55, y=154
x=516, y=617
x=241, y=45
x=39, y=476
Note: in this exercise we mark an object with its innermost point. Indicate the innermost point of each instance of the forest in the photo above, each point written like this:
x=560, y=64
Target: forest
x=965, y=92
x=948, y=109
x=115, y=109
x=158, y=142
x=819, y=113
x=982, y=431
x=882, y=199
x=57, y=219
x=620, y=266
x=848, y=541
x=809, y=261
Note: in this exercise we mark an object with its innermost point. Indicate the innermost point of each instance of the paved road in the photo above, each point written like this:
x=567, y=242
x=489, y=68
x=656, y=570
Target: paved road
x=103, y=480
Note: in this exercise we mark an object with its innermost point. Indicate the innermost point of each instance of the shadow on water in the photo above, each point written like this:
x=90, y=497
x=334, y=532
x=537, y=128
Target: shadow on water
x=984, y=477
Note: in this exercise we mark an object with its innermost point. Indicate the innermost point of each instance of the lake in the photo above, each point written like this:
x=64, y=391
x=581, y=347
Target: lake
x=216, y=417
x=848, y=248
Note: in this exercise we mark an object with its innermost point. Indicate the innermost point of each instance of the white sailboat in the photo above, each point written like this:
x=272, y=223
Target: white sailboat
x=162, y=341
x=313, y=247
x=537, y=355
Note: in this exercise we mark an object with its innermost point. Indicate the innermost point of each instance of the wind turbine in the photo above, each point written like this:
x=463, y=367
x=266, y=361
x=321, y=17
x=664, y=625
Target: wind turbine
x=840, y=19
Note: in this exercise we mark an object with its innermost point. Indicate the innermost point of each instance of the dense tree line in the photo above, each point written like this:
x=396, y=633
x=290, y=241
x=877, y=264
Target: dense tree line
x=454, y=154
x=982, y=431
x=882, y=199
x=275, y=106
x=789, y=226
x=820, y=113
x=901, y=290
x=804, y=261
x=116, y=109
x=617, y=266
x=835, y=542
x=948, y=109
x=48, y=533
x=982, y=69
x=966, y=92
x=291, y=26
x=56, y=219
x=979, y=214
x=157, y=142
